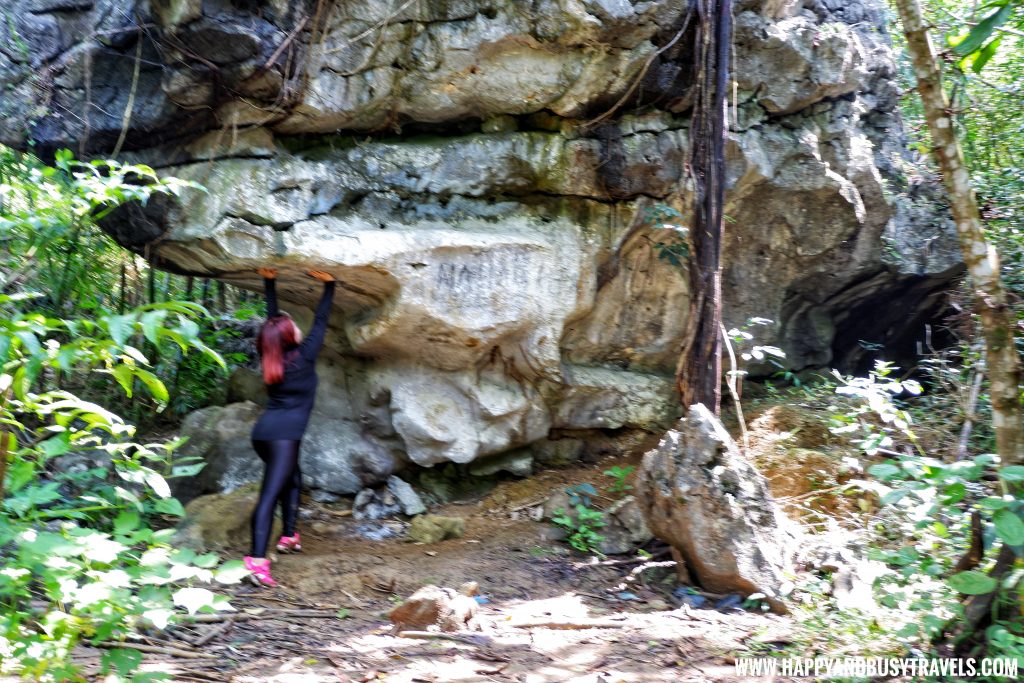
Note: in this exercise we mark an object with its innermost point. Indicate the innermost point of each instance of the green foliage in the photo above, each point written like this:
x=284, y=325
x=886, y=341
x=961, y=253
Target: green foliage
x=619, y=474
x=581, y=525
x=979, y=44
x=84, y=508
x=875, y=417
x=49, y=224
x=676, y=248
x=83, y=556
x=56, y=264
x=925, y=526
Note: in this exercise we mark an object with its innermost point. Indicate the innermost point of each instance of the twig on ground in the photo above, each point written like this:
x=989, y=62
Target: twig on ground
x=265, y=613
x=570, y=625
x=614, y=563
x=215, y=633
x=158, y=649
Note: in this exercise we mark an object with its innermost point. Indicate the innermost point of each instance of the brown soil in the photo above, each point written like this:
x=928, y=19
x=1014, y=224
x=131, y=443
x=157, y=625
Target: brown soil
x=804, y=463
x=524, y=578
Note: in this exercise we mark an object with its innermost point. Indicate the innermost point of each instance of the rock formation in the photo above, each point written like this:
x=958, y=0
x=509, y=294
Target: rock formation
x=714, y=508
x=510, y=262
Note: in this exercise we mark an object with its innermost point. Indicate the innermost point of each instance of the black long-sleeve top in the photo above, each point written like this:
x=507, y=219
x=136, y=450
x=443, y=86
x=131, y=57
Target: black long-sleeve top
x=290, y=401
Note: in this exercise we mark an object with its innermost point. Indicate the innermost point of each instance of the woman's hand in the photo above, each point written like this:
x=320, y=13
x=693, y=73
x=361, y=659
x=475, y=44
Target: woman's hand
x=269, y=273
x=321, y=275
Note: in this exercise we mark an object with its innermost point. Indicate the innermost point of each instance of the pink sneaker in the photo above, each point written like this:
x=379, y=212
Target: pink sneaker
x=290, y=544
x=259, y=571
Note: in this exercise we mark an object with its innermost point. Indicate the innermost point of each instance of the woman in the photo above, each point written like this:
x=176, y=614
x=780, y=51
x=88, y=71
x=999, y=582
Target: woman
x=289, y=371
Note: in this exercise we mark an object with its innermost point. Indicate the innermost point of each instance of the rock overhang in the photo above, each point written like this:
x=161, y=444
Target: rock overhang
x=489, y=244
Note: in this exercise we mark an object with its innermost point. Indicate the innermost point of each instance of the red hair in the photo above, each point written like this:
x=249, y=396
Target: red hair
x=276, y=335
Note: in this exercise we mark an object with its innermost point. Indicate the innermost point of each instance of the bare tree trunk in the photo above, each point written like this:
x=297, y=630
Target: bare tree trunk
x=124, y=287
x=981, y=258
x=699, y=373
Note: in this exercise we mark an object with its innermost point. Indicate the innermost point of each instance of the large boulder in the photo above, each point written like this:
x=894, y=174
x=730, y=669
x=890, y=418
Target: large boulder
x=506, y=266
x=711, y=505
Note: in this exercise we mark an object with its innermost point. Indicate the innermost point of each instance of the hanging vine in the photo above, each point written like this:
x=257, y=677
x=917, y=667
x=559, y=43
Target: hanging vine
x=699, y=372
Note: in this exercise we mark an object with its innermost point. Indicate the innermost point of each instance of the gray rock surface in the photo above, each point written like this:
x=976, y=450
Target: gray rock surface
x=370, y=504
x=407, y=498
x=708, y=502
x=505, y=268
x=518, y=462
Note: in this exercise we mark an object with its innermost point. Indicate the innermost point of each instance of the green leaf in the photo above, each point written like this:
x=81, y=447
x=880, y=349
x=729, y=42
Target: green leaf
x=153, y=383
x=125, y=377
x=884, y=471
x=985, y=55
x=170, y=506
x=157, y=483
x=206, y=560
x=1013, y=473
x=193, y=599
x=19, y=474
x=232, y=571
x=1009, y=527
x=123, y=660
x=127, y=521
x=151, y=324
x=29, y=341
x=54, y=446
x=980, y=33
x=972, y=583
x=121, y=327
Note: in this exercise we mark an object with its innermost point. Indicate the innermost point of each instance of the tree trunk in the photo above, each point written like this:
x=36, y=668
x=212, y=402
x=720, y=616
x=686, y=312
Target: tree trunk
x=699, y=373
x=981, y=258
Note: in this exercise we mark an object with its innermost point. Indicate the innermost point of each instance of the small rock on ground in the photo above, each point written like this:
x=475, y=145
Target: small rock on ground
x=434, y=528
x=431, y=605
x=407, y=497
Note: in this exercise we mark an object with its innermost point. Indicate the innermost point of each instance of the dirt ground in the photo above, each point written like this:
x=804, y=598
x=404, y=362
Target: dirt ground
x=328, y=619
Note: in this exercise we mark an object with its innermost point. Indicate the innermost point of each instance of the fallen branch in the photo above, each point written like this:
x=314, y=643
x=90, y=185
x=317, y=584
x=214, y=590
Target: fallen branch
x=215, y=633
x=615, y=563
x=570, y=625
x=264, y=613
x=158, y=649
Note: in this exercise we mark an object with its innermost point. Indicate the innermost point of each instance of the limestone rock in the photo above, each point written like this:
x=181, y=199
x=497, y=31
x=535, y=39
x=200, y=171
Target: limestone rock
x=511, y=272
x=609, y=399
x=628, y=513
x=433, y=528
x=218, y=522
x=518, y=462
x=557, y=452
x=407, y=498
x=373, y=505
x=432, y=605
x=710, y=504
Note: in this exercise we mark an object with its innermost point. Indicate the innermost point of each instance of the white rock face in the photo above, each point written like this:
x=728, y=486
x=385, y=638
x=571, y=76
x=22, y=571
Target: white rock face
x=505, y=268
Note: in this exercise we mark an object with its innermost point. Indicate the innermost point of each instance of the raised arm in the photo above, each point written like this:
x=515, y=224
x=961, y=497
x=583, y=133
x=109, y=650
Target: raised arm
x=270, y=290
x=313, y=341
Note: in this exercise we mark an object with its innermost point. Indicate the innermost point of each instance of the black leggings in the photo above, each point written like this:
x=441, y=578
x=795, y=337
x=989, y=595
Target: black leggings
x=282, y=480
